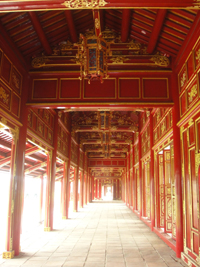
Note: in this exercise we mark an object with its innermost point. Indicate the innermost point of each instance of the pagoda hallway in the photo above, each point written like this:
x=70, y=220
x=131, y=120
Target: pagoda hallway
x=100, y=234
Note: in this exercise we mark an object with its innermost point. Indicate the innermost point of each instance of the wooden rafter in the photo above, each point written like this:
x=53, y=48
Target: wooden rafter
x=7, y=160
x=102, y=22
x=40, y=32
x=35, y=167
x=71, y=26
x=157, y=27
x=4, y=35
x=126, y=16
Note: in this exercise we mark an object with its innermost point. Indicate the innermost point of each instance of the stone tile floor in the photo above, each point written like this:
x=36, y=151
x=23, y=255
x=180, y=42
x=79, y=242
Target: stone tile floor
x=99, y=235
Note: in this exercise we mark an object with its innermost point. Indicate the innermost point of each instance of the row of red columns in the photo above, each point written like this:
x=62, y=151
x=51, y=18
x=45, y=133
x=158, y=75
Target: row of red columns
x=17, y=186
x=131, y=201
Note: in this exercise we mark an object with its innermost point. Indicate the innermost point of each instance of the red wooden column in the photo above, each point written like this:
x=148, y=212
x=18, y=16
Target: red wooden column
x=152, y=188
x=83, y=182
x=18, y=182
x=127, y=185
x=133, y=180
x=10, y=221
x=81, y=189
x=61, y=194
x=68, y=180
x=65, y=191
x=100, y=189
x=50, y=183
x=130, y=182
x=88, y=186
x=85, y=179
x=85, y=188
x=177, y=168
x=92, y=188
x=75, y=189
x=41, y=195
x=53, y=168
x=140, y=174
x=124, y=187
x=47, y=198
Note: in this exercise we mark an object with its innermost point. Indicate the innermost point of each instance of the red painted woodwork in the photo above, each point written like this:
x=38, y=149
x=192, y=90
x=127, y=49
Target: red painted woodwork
x=157, y=27
x=10, y=225
x=40, y=32
x=64, y=194
x=135, y=84
x=126, y=15
x=6, y=37
x=188, y=42
x=140, y=175
x=19, y=174
x=139, y=90
x=177, y=172
x=71, y=26
x=41, y=196
x=30, y=5
x=152, y=183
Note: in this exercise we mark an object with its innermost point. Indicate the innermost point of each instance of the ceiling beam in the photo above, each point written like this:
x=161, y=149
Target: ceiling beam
x=38, y=28
x=157, y=27
x=7, y=160
x=5, y=144
x=71, y=26
x=126, y=18
x=97, y=22
x=102, y=21
x=6, y=6
x=35, y=167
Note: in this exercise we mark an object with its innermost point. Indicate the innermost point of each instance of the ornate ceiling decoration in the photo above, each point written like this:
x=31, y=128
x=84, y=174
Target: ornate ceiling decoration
x=105, y=134
x=76, y=4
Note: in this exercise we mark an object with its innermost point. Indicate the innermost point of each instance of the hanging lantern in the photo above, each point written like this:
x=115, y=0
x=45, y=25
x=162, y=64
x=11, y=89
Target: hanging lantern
x=92, y=56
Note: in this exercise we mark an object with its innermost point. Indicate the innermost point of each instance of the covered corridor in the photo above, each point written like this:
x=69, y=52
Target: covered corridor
x=101, y=234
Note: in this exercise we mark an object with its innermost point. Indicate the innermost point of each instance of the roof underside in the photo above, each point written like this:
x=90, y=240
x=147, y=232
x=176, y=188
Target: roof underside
x=39, y=32
x=34, y=33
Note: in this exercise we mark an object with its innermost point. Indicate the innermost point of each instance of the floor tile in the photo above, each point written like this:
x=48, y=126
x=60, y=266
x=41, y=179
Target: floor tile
x=100, y=235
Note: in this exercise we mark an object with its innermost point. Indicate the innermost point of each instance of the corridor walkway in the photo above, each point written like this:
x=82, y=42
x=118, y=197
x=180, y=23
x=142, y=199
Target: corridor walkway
x=101, y=234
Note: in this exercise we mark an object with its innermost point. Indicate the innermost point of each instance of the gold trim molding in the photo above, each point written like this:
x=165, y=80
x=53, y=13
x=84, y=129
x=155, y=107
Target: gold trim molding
x=83, y=4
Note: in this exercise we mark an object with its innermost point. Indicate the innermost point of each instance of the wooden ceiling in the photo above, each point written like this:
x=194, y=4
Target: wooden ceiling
x=157, y=31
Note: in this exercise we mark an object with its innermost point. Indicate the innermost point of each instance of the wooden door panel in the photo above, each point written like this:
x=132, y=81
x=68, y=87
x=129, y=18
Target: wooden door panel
x=138, y=188
x=173, y=195
x=161, y=192
x=191, y=193
x=168, y=198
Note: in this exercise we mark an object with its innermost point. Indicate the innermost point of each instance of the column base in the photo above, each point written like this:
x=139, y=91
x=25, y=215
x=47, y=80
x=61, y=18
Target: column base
x=47, y=229
x=8, y=254
x=74, y=210
x=64, y=217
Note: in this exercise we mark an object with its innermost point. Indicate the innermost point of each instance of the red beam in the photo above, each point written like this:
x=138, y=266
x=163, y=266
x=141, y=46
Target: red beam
x=71, y=26
x=97, y=22
x=34, y=168
x=9, y=6
x=126, y=17
x=157, y=27
x=102, y=21
x=38, y=28
x=7, y=160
